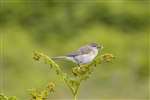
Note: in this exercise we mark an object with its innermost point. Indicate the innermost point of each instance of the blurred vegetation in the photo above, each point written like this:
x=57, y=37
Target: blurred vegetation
x=3, y=97
x=59, y=27
x=37, y=94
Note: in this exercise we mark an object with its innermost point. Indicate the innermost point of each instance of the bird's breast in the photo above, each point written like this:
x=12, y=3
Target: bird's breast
x=86, y=58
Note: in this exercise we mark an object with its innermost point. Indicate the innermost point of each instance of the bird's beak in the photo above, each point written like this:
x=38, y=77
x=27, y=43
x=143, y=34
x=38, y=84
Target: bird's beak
x=100, y=47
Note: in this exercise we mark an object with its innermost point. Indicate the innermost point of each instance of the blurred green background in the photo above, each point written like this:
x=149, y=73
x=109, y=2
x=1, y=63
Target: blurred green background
x=58, y=27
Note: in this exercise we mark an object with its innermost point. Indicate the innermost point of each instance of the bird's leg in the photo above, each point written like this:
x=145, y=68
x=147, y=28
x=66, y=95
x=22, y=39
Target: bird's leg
x=94, y=63
x=78, y=65
x=77, y=61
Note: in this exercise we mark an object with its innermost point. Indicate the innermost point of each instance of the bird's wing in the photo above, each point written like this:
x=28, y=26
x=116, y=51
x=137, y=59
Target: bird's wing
x=81, y=51
x=73, y=54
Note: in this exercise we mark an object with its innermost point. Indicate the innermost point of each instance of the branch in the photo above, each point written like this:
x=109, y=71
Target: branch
x=80, y=73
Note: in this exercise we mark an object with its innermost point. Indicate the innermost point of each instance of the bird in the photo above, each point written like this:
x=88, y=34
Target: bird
x=83, y=55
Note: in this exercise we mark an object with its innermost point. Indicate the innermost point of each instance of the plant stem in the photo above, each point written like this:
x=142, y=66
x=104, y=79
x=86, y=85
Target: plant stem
x=76, y=92
x=75, y=97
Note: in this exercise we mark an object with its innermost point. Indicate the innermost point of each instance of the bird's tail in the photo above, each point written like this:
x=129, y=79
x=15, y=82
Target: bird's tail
x=59, y=58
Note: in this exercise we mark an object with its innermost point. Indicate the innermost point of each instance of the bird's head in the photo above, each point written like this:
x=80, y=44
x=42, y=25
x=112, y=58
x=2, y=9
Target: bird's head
x=95, y=45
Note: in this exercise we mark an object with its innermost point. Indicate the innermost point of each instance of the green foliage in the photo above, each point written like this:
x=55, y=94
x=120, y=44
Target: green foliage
x=3, y=97
x=80, y=73
x=42, y=94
